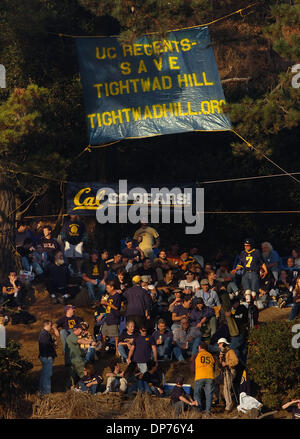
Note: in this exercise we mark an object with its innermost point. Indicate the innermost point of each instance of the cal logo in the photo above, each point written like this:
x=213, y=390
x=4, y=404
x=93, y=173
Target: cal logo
x=88, y=203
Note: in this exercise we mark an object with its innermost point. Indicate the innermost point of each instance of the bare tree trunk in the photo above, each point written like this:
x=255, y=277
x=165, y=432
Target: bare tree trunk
x=7, y=227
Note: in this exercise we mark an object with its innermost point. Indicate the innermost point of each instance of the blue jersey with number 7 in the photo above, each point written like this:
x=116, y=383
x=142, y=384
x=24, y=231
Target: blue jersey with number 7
x=250, y=261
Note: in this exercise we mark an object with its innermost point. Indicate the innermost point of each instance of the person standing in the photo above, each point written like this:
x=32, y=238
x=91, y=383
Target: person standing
x=228, y=362
x=138, y=303
x=204, y=377
x=76, y=358
x=74, y=235
x=250, y=261
x=112, y=310
x=66, y=323
x=47, y=353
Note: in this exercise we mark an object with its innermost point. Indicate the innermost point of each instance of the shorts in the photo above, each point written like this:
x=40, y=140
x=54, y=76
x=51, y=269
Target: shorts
x=73, y=250
x=110, y=330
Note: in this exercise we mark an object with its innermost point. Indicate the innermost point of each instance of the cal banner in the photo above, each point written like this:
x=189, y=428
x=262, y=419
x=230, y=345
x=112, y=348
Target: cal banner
x=151, y=87
x=87, y=198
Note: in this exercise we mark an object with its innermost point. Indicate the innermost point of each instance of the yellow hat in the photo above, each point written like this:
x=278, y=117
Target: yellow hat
x=136, y=279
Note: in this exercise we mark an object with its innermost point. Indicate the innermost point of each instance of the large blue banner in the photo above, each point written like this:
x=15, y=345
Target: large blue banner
x=151, y=87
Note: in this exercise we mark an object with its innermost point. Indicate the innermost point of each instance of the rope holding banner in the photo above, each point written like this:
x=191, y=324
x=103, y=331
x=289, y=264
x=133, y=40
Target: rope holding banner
x=265, y=156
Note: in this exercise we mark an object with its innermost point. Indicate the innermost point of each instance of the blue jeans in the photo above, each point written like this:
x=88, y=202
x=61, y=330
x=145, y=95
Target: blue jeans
x=250, y=281
x=37, y=269
x=192, y=347
x=95, y=291
x=123, y=351
x=164, y=350
x=295, y=311
x=208, y=385
x=92, y=389
x=90, y=354
x=45, y=378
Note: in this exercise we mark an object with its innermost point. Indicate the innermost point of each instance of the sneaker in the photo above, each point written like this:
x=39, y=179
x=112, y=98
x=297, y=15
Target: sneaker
x=53, y=299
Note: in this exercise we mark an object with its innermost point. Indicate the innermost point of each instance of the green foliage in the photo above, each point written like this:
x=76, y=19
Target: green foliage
x=273, y=362
x=139, y=17
x=13, y=372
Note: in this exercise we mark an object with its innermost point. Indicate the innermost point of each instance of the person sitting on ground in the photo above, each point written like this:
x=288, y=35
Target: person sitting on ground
x=88, y=350
x=296, y=255
x=166, y=286
x=194, y=254
x=181, y=311
x=148, y=239
x=285, y=295
x=131, y=252
x=204, y=318
x=186, y=340
x=292, y=271
x=295, y=405
x=58, y=280
x=147, y=270
x=116, y=382
x=295, y=311
x=271, y=259
x=173, y=256
x=175, y=299
x=161, y=264
x=126, y=339
x=224, y=276
x=266, y=289
x=13, y=292
x=185, y=260
x=189, y=283
x=94, y=274
x=179, y=399
x=210, y=297
x=122, y=280
x=90, y=380
x=150, y=381
x=26, y=251
x=164, y=340
x=49, y=244
x=114, y=265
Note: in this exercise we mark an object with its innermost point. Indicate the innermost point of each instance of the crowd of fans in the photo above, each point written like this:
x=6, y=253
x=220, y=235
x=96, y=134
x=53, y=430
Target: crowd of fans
x=151, y=305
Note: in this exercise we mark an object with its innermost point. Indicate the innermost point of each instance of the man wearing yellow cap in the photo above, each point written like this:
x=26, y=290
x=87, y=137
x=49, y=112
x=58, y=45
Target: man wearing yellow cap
x=138, y=303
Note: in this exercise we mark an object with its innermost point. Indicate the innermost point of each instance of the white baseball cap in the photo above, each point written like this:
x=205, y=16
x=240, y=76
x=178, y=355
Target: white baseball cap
x=222, y=340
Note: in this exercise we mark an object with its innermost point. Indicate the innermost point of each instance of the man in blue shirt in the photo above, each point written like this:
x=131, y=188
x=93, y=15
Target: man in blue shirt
x=210, y=297
x=250, y=261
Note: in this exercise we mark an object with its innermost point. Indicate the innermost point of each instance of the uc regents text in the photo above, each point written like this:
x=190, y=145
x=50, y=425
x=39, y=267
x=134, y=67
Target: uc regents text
x=149, y=82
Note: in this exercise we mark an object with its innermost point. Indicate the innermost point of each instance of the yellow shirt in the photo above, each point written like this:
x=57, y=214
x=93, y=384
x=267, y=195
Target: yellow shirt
x=149, y=235
x=204, y=366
